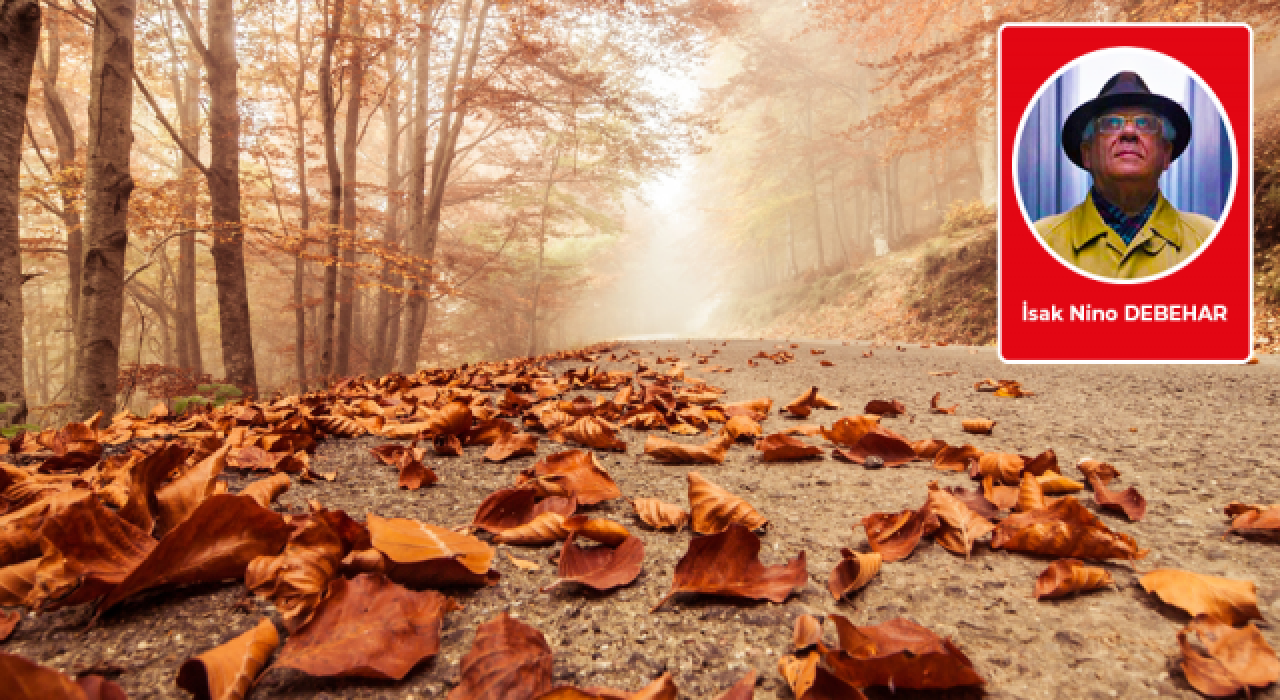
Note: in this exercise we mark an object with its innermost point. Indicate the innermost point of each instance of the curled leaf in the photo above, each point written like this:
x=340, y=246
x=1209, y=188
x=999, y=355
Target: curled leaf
x=671, y=452
x=1004, y=467
x=978, y=426
x=854, y=571
x=895, y=535
x=881, y=407
x=606, y=532
x=1054, y=483
x=591, y=431
x=784, y=448
x=959, y=527
x=1239, y=659
x=600, y=568
x=228, y=671
x=803, y=405
x=420, y=554
x=799, y=671
x=739, y=427
x=1030, y=495
x=659, y=515
x=715, y=509
x=1257, y=521
x=581, y=474
x=807, y=632
x=545, y=528
x=956, y=458
x=508, y=659
x=511, y=445
x=1101, y=470
x=509, y=508
x=880, y=442
x=1067, y=576
x=898, y=653
x=1065, y=529
x=934, y=407
x=266, y=491
x=25, y=680
x=849, y=430
x=1128, y=501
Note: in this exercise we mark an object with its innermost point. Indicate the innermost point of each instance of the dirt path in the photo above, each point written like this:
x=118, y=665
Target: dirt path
x=1191, y=439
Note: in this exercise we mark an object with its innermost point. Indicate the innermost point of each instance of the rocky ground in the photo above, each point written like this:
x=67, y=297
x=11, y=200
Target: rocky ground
x=1190, y=438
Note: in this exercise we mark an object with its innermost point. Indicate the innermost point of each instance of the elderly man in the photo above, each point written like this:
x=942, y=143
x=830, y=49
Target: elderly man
x=1125, y=229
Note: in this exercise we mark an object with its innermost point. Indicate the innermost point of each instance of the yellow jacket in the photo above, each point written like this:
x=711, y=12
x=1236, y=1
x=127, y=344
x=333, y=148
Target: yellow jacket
x=1081, y=237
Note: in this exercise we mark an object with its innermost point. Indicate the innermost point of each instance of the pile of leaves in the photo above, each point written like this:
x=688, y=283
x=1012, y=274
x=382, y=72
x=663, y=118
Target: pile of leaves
x=93, y=515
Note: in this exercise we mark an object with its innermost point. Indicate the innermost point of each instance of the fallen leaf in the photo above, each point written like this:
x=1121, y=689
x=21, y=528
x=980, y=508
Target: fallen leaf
x=880, y=407
x=512, y=445
x=900, y=654
x=9, y=620
x=671, y=452
x=426, y=555
x=414, y=474
x=590, y=431
x=1128, y=501
x=1001, y=497
x=143, y=479
x=1101, y=470
x=505, y=509
x=945, y=410
x=744, y=689
x=16, y=581
x=804, y=404
x=946, y=373
x=927, y=449
x=26, y=680
x=659, y=515
x=1239, y=659
x=266, y=491
x=978, y=426
x=880, y=442
x=523, y=564
x=849, y=430
x=507, y=659
x=959, y=527
x=895, y=535
x=600, y=568
x=784, y=448
x=367, y=627
x=545, y=528
x=975, y=501
x=296, y=579
x=177, y=499
x=1229, y=600
x=715, y=509
x=216, y=542
x=854, y=571
x=728, y=564
x=446, y=445
x=1042, y=464
x=1005, y=467
x=87, y=551
x=1030, y=495
x=581, y=474
x=228, y=671
x=956, y=458
x=740, y=427
x=1256, y=521
x=807, y=632
x=1065, y=529
x=600, y=530
x=1067, y=576
x=799, y=672
x=1054, y=483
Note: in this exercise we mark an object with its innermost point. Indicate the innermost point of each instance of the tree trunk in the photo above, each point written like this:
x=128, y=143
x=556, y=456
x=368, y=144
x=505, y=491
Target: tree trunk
x=304, y=210
x=19, y=42
x=542, y=245
x=224, y=191
x=188, y=328
x=380, y=362
x=67, y=178
x=350, y=141
x=451, y=120
x=108, y=185
x=329, y=115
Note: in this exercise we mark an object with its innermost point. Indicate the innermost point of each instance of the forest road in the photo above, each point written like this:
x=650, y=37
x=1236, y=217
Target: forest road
x=1190, y=438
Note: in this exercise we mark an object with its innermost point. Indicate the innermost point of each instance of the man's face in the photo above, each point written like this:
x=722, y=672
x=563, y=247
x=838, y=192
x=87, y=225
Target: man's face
x=1129, y=154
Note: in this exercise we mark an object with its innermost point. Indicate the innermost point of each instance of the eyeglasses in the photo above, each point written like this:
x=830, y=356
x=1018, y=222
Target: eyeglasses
x=1114, y=123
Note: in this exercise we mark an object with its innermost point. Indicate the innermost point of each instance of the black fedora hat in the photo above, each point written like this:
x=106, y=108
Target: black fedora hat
x=1125, y=89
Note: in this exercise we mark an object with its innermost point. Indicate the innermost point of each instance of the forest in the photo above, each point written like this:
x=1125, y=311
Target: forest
x=201, y=202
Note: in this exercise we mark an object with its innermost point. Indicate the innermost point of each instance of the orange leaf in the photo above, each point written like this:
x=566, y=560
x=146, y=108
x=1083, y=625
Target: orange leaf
x=508, y=659
x=935, y=408
x=881, y=407
x=959, y=527
x=659, y=515
x=728, y=564
x=580, y=474
x=978, y=426
x=599, y=530
x=545, y=528
x=900, y=654
x=715, y=509
x=25, y=680
x=591, y=431
x=849, y=430
x=88, y=550
x=956, y=458
x=1239, y=659
x=807, y=632
x=367, y=627
x=265, y=491
x=784, y=448
x=1064, y=530
x=512, y=445
x=854, y=571
x=895, y=535
x=1231, y=601
x=742, y=426
x=228, y=671
x=600, y=568
x=671, y=452
x=1129, y=501
x=505, y=509
x=880, y=442
x=1067, y=576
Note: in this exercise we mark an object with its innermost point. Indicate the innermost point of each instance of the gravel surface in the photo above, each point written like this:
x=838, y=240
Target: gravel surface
x=1190, y=438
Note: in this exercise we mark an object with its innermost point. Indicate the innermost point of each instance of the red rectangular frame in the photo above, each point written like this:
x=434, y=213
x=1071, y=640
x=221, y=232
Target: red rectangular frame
x=1029, y=54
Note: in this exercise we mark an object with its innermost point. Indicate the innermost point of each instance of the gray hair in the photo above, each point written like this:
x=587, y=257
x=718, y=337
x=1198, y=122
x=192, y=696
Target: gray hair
x=1166, y=129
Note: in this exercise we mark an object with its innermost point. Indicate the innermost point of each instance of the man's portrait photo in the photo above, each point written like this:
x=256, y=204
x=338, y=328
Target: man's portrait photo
x=1124, y=165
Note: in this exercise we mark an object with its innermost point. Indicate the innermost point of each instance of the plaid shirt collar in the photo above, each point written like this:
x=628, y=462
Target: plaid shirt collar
x=1115, y=218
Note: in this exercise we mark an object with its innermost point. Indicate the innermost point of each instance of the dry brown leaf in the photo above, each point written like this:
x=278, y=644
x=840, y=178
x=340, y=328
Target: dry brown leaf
x=659, y=515
x=807, y=632
x=298, y=578
x=546, y=528
x=1005, y=467
x=1067, y=576
x=9, y=620
x=367, y=627
x=266, y=491
x=849, y=430
x=784, y=448
x=1254, y=520
x=927, y=449
x=580, y=474
x=978, y=426
x=446, y=445
x=803, y=405
x=739, y=427
x=945, y=410
x=1002, y=497
x=1030, y=495
x=512, y=445
x=728, y=564
x=956, y=458
x=1101, y=470
x=508, y=659
x=715, y=509
x=600, y=568
x=1055, y=483
x=523, y=564
x=177, y=499
x=216, y=542
x=799, y=671
x=420, y=552
x=671, y=452
x=26, y=680
x=900, y=654
x=1128, y=501
x=413, y=473
x=1229, y=600
x=600, y=530
x=505, y=509
x=895, y=535
x=893, y=449
x=593, y=432
x=1065, y=529
x=854, y=571
x=16, y=581
x=959, y=527
x=881, y=407
x=1239, y=659
x=87, y=551
x=228, y=671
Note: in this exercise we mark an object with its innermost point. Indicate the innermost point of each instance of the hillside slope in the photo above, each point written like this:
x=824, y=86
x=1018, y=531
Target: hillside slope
x=941, y=290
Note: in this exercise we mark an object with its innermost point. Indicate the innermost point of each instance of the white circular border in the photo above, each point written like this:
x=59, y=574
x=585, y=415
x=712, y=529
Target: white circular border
x=1017, y=148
